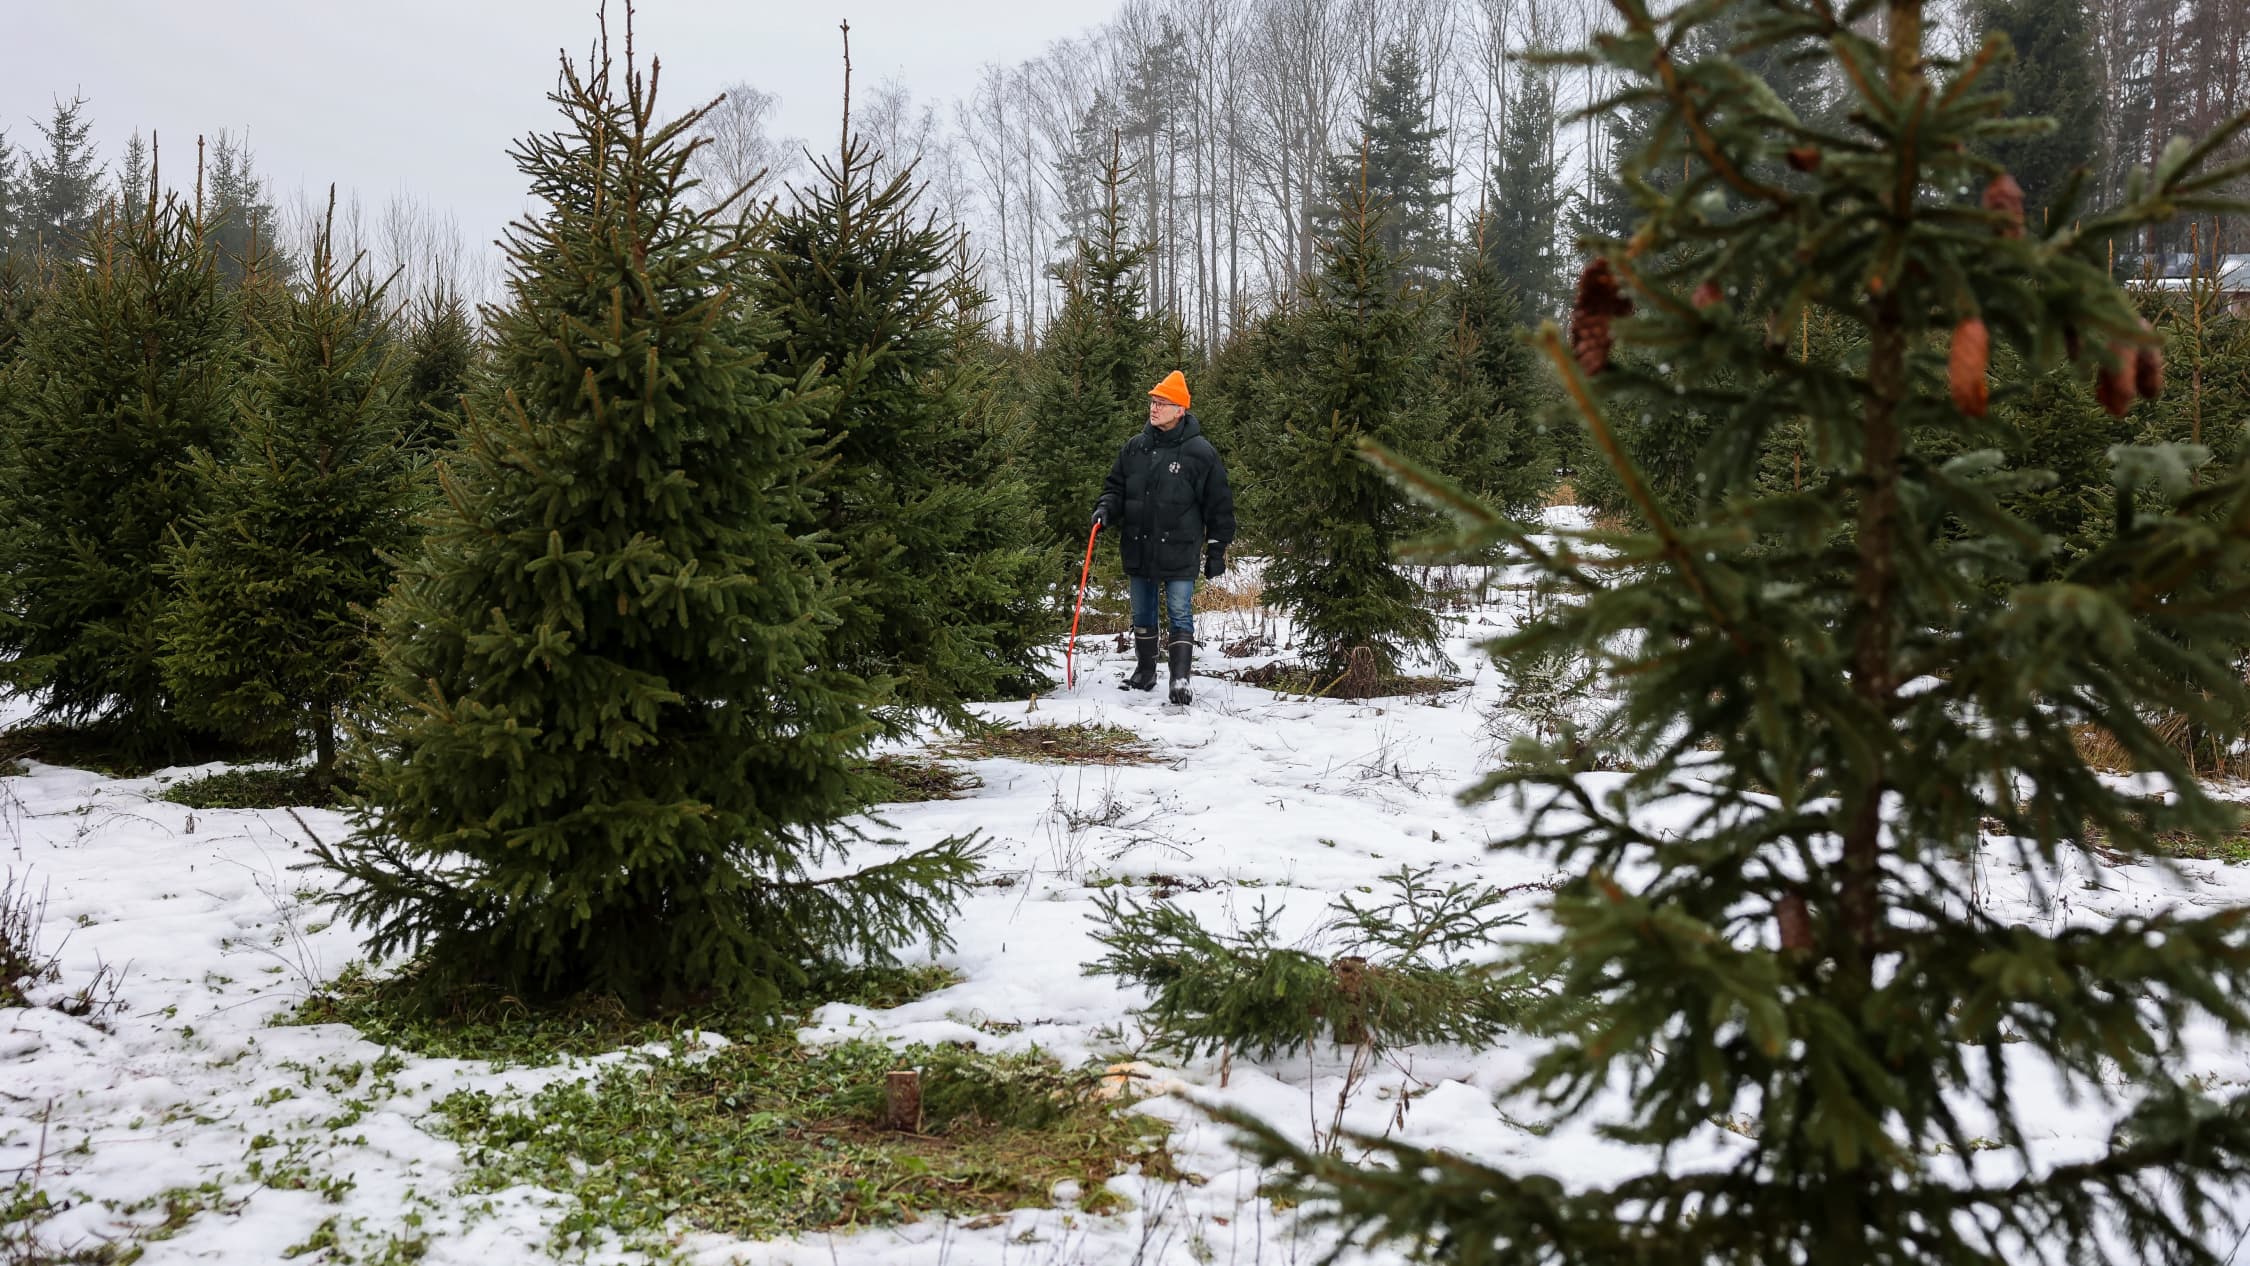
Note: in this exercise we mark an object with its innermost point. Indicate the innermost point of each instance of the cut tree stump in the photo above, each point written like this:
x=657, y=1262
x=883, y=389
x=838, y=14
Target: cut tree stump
x=903, y=1100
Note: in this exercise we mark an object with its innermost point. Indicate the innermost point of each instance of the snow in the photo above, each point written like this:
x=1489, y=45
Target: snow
x=213, y=919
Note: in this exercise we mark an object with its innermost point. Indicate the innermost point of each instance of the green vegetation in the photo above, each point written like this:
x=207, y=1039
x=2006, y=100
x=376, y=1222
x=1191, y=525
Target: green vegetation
x=766, y=1138
x=756, y=1137
x=412, y=1012
x=1394, y=978
x=257, y=789
x=103, y=748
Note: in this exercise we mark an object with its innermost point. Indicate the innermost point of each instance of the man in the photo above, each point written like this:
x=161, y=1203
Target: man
x=1168, y=499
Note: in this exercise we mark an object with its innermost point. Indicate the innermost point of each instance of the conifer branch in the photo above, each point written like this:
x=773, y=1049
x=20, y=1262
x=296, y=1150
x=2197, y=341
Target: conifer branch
x=1683, y=559
x=1706, y=144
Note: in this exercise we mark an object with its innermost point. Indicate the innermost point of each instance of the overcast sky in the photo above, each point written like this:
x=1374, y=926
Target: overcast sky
x=424, y=96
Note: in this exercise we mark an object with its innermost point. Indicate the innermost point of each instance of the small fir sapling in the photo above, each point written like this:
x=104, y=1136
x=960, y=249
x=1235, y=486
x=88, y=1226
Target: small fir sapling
x=1384, y=974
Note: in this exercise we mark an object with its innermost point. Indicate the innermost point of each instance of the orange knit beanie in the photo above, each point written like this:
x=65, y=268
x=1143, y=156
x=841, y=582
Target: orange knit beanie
x=1173, y=388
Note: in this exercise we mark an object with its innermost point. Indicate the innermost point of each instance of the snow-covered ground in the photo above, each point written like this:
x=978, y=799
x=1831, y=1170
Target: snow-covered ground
x=213, y=918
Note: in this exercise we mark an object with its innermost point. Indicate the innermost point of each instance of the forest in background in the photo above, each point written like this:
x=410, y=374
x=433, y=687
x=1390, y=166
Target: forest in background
x=1232, y=118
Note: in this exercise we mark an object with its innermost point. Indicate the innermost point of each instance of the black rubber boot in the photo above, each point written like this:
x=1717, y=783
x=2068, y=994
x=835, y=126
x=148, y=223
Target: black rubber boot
x=1144, y=668
x=1183, y=665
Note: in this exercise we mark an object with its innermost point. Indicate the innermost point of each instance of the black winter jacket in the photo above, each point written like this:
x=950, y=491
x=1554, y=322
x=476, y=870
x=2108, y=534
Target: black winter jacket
x=1166, y=498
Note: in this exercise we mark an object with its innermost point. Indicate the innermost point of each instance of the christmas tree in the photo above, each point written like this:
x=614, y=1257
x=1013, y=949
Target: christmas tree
x=1869, y=689
x=57, y=212
x=1496, y=443
x=615, y=743
x=2054, y=75
x=1398, y=163
x=1526, y=197
x=127, y=370
x=1094, y=366
x=1353, y=365
x=20, y=289
x=441, y=355
x=940, y=551
x=292, y=540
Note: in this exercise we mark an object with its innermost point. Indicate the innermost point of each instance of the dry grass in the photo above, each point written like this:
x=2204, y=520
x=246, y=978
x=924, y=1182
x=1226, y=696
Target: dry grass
x=1111, y=614
x=1562, y=494
x=907, y=780
x=2100, y=749
x=1231, y=592
x=1055, y=745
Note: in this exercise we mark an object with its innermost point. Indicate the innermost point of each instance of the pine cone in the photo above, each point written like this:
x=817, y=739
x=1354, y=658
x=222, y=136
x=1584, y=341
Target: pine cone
x=2148, y=372
x=1597, y=304
x=1796, y=922
x=2113, y=382
x=2005, y=196
x=1706, y=296
x=1804, y=158
x=2148, y=366
x=1965, y=367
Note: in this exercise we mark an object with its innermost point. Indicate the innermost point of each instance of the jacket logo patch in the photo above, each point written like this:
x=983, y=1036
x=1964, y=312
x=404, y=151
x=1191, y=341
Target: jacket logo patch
x=1175, y=468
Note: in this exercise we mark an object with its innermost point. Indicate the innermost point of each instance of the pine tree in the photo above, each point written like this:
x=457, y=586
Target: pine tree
x=614, y=743
x=2053, y=76
x=1846, y=704
x=940, y=553
x=127, y=368
x=63, y=186
x=1352, y=366
x=1399, y=167
x=441, y=357
x=1094, y=368
x=1526, y=196
x=293, y=535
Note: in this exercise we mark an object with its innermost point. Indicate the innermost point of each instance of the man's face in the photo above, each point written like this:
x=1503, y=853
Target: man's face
x=1163, y=414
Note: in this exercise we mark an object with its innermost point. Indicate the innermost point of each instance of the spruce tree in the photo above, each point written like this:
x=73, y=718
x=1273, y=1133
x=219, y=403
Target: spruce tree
x=940, y=552
x=1094, y=367
x=441, y=355
x=239, y=216
x=613, y=743
x=127, y=368
x=1848, y=704
x=1526, y=196
x=1398, y=163
x=11, y=195
x=293, y=538
x=21, y=286
x=2053, y=75
x=1496, y=443
x=1353, y=366
x=135, y=172
x=62, y=187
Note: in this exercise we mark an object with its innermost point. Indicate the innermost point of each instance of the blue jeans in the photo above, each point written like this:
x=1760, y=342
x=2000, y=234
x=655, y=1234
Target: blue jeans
x=1179, y=600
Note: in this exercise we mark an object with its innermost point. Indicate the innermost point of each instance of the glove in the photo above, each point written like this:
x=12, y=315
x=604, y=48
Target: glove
x=1214, y=562
x=1101, y=514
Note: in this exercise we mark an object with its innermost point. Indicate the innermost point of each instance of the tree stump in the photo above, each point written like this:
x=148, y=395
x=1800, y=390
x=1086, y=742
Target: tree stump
x=1351, y=981
x=902, y=1101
